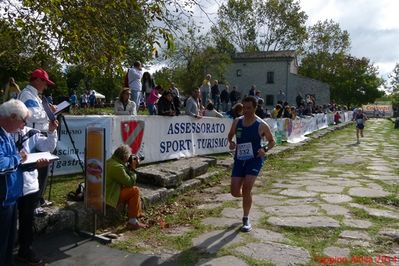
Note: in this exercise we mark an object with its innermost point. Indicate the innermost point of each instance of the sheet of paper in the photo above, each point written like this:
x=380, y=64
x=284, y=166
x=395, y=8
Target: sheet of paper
x=33, y=157
x=61, y=107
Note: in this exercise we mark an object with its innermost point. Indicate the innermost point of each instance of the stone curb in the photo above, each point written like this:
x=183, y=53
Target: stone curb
x=75, y=216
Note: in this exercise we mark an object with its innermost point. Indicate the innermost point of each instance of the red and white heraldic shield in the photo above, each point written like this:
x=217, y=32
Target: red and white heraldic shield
x=132, y=134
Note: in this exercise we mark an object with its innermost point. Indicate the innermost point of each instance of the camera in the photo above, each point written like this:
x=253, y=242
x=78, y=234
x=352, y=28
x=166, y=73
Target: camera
x=134, y=157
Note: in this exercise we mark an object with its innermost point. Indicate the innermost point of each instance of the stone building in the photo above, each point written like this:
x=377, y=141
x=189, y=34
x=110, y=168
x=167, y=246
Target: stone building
x=275, y=74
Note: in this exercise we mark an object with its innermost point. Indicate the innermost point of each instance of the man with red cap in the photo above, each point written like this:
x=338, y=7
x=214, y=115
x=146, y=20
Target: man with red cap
x=32, y=96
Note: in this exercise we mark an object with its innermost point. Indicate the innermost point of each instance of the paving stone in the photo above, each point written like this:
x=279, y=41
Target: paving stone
x=279, y=185
x=380, y=168
x=236, y=213
x=349, y=160
x=367, y=192
x=215, y=221
x=267, y=235
x=336, y=198
x=299, y=210
x=311, y=182
x=326, y=189
x=352, y=243
x=298, y=193
x=355, y=223
x=222, y=261
x=355, y=235
x=225, y=197
x=279, y=254
x=301, y=201
x=391, y=233
x=332, y=209
x=377, y=212
x=339, y=181
x=304, y=222
x=209, y=206
x=262, y=200
x=337, y=252
x=213, y=241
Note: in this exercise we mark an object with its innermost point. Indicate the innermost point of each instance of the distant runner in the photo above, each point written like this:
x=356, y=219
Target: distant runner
x=249, y=156
x=359, y=118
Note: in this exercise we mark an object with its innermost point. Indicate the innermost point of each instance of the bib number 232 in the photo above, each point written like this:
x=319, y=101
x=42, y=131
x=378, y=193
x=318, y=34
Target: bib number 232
x=244, y=151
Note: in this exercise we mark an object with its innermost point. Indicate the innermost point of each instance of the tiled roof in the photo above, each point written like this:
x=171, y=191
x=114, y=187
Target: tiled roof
x=267, y=54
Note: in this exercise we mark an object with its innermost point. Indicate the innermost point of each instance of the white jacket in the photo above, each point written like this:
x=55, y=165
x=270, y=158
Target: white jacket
x=36, y=143
x=38, y=119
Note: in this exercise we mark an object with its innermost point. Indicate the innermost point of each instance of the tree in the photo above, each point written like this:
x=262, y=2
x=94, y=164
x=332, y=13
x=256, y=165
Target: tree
x=394, y=79
x=260, y=25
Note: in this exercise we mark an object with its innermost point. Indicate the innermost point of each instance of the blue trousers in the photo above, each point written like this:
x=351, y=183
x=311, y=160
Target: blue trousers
x=8, y=227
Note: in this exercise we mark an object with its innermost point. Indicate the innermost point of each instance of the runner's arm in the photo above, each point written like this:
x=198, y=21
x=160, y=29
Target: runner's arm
x=231, y=134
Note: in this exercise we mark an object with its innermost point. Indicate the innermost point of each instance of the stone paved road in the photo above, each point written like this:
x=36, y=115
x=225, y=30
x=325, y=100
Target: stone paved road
x=333, y=199
x=330, y=200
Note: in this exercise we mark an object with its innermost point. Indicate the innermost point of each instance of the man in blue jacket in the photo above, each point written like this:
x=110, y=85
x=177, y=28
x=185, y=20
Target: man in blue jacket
x=13, y=115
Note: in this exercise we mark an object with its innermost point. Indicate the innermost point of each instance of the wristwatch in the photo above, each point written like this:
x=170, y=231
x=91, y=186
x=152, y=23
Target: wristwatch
x=265, y=148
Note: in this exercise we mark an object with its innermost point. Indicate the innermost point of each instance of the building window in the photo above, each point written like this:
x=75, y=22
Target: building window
x=270, y=77
x=270, y=99
x=238, y=72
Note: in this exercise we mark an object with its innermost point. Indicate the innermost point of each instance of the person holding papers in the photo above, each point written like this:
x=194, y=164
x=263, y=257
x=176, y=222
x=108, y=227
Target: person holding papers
x=125, y=106
x=30, y=96
x=31, y=140
x=13, y=114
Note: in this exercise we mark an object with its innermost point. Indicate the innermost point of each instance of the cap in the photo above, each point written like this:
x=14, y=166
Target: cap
x=40, y=73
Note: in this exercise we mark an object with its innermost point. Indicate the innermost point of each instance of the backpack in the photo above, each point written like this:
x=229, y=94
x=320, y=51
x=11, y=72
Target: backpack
x=79, y=194
x=126, y=80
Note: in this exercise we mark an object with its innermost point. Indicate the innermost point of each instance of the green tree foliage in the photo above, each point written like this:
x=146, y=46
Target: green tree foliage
x=194, y=58
x=260, y=25
x=352, y=81
x=394, y=79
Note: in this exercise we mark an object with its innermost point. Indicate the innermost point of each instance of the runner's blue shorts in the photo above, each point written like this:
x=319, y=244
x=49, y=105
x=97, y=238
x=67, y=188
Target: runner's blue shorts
x=360, y=126
x=248, y=167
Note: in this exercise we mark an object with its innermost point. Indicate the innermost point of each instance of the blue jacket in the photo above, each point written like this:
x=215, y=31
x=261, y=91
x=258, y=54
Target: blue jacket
x=11, y=182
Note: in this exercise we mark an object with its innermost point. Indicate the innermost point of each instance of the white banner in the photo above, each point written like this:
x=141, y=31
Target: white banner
x=160, y=138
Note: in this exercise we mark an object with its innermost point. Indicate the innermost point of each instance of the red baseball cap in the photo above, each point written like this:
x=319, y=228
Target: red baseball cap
x=40, y=73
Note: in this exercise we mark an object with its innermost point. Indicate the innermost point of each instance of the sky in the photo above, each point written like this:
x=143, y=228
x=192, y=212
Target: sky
x=373, y=25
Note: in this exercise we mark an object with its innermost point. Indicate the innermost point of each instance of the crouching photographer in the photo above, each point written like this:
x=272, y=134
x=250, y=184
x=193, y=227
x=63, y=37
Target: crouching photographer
x=120, y=184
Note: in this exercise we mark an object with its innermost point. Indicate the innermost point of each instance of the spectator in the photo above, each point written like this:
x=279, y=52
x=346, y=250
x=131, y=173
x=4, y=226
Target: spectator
x=215, y=92
x=134, y=75
x=73, y=100
x=225, y=98
x=260, y=112
x=120, y=180
x=258, y=95
x=337, y=118
x=236, y=111
x=293, y=112
x=153, y=99
x=235, y=96
x=92, y=99
x=31, y=140
x=176, y=98
x=287, y=112
x=147, y=84
x=125, y=106
x=12, y=90
x=205, y=88
x=193, y=106
x=210, y=111
x=84, y=100
x=13, y=115
x=252, y=91
x=166, y=105
x=277, y=111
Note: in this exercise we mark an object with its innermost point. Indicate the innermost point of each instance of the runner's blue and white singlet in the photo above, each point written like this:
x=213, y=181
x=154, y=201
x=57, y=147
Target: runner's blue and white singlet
x=248, y=140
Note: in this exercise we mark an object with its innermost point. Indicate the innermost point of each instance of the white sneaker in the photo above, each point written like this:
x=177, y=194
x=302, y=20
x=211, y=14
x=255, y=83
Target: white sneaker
x=246, y=225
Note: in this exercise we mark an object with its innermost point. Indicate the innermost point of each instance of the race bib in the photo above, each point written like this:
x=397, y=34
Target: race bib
x=359, y=121
x=244, y=151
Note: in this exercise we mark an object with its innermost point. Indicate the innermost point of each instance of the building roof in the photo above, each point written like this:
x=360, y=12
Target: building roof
x=266, y=54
